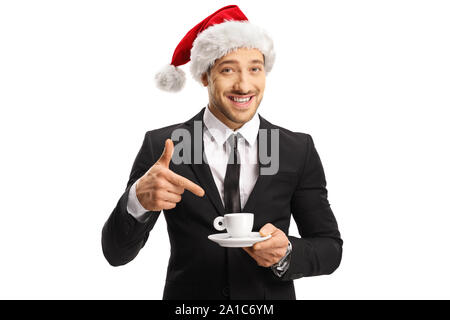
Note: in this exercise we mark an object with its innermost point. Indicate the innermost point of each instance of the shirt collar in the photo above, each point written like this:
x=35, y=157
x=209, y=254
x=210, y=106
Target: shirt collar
x=220, y=132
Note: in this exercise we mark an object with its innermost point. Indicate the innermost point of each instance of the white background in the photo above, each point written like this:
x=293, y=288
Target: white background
x=369, y=80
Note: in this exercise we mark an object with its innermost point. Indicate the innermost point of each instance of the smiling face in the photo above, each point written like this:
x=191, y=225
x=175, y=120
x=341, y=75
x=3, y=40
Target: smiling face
x=236, y=84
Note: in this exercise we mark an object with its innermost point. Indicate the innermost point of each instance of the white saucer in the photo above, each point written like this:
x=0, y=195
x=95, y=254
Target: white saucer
x=225, y=240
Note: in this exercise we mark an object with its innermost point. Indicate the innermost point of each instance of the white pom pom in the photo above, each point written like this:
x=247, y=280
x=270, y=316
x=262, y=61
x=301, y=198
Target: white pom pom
x=170, y=78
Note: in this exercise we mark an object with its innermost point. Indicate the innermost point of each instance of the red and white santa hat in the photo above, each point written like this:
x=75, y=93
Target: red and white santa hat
x=222, y=32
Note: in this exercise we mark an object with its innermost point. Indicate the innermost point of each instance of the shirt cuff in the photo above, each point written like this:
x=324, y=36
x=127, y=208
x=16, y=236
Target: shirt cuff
x=134, y=207
x=282, y=266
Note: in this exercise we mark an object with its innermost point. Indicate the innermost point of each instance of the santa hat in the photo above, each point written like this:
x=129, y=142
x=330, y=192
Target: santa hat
x=225, y=30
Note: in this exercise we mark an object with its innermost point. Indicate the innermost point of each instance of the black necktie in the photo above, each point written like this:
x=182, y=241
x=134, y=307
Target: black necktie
x=232, y=197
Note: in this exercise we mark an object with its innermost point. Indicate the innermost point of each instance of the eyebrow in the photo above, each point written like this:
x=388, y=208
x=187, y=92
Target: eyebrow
x=236, y=62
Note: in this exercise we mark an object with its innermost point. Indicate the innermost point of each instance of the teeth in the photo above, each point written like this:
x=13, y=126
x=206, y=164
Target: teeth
x=241, y=100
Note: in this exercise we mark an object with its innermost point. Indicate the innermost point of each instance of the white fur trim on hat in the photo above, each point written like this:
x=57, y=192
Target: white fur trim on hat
x=170, y=78
x=220, y=39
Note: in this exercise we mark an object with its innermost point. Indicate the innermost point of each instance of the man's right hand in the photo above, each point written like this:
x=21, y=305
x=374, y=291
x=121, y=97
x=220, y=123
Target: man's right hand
x=161, y=188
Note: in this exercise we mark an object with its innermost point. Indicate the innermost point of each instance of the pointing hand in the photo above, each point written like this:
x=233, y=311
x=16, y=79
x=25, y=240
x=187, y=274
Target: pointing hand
x=161, y=188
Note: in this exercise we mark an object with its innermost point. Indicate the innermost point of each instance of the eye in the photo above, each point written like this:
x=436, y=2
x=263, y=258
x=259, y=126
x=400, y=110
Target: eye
x=258, y=68
x=225, y=69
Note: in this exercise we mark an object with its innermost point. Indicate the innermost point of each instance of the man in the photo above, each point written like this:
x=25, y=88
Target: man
x=231, y=58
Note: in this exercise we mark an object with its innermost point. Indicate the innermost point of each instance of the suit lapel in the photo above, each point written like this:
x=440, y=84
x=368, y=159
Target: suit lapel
x=202, y=171
x=263, y=180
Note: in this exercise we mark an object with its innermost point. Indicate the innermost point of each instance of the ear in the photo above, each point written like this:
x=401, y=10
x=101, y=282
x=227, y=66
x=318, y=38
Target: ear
x=205, y=79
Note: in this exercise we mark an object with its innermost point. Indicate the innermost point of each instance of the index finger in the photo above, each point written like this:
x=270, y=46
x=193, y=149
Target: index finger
x=185, y=183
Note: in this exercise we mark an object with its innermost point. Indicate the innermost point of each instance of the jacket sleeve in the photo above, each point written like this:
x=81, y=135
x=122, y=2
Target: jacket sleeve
x=122, y=235
x=319, y=250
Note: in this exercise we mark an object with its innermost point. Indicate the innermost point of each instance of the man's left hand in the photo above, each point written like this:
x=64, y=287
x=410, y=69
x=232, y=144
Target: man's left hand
x=269, y=252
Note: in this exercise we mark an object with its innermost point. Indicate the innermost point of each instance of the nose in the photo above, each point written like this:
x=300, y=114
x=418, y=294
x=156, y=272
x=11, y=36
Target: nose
x=242, y=83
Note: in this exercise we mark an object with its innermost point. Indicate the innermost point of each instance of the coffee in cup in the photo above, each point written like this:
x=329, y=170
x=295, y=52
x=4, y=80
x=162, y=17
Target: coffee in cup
x=238, y=225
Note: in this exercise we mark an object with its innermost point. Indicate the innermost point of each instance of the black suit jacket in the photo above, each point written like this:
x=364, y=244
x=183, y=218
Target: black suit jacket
x=201, y=269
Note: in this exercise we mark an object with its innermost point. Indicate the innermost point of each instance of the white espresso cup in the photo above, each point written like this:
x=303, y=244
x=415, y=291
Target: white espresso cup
x=238, y=225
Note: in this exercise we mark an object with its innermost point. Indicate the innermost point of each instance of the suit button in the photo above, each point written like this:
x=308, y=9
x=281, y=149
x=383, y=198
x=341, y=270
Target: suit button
x=226, y=291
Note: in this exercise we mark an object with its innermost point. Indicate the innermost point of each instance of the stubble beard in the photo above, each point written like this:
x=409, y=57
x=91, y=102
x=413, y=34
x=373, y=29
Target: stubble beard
x=224, y=110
